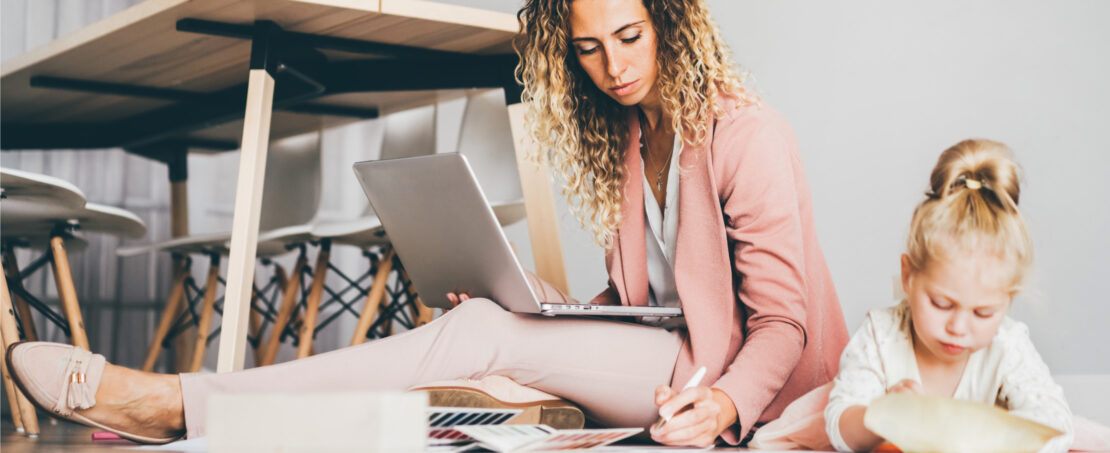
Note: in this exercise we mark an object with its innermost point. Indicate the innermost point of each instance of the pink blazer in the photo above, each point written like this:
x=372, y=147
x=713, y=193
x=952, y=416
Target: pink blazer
x=759, y=301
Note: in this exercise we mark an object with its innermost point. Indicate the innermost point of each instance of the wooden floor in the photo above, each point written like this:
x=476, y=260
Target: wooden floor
x=61, y=437
x=73, y=438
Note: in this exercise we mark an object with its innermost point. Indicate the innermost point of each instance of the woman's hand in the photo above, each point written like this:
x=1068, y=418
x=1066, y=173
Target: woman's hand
x=456, y=299
x=909, y=386
x=710, y=412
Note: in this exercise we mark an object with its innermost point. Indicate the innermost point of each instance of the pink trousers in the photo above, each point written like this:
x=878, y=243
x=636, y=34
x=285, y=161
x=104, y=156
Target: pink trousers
x=609, y=368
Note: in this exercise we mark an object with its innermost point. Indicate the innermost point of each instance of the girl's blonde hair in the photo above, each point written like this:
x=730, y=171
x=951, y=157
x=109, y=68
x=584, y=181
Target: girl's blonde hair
x=972, y=204
x=582, y=133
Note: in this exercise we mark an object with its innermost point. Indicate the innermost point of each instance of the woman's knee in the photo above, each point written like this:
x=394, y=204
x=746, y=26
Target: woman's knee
x=482, y=320
x=478, y=310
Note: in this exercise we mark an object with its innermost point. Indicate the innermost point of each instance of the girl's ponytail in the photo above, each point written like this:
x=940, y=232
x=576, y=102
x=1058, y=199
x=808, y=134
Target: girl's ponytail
x=972, y=204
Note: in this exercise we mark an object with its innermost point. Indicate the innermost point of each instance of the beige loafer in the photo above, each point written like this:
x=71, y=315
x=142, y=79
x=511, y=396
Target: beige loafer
x=499, y=392
x=60, y=379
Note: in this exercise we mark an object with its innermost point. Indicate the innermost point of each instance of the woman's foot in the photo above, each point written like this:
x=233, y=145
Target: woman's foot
x=75, y=384
x=138, y=402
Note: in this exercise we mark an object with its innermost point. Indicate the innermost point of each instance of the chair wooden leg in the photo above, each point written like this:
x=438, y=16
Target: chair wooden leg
x=63, y=278
x=285, y=312
x=25, y=319
x=279, y=280
x=421, y=314
x=11, y=396
x=255, y=326
x=183, y=342
x=312, y=308
x=208, y=308
x=373, y=298
x=11, y=271
x=298, y=319
x=22, y=410
x=9, y=387
x=169, y=314
x=387, y=327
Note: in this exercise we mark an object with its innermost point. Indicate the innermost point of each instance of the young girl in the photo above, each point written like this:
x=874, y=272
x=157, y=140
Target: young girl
x=966, y=256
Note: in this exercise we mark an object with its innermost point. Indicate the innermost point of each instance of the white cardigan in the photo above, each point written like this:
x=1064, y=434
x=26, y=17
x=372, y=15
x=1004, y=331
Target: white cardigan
x=1008, y=373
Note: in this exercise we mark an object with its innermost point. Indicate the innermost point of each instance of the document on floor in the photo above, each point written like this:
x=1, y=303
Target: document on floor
x=659, y=448
x=197, y=445
x=444, y=421
x=543, y=438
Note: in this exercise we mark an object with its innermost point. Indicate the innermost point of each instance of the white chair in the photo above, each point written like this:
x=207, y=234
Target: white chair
x=292, y=197
x=33, y=188
x=486, y=140
x=408, y=133
x=43, y=212
x=40, y=211
x=485, y=137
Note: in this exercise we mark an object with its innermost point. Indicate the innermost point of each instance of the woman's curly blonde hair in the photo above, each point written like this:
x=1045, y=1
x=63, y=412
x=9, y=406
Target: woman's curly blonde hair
x=582, y=132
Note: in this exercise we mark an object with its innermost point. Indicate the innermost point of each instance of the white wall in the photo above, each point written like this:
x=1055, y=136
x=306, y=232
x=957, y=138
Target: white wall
x=875, y=90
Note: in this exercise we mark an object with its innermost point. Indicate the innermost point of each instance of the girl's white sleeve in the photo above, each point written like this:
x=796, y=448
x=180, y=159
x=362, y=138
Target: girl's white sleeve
x=1029, y=391
x=860, y=380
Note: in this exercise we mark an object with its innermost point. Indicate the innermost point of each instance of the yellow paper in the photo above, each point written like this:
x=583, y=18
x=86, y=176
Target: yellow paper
x=917, y=423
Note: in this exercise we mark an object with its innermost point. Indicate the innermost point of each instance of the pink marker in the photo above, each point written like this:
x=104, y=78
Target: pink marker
x=105, y=435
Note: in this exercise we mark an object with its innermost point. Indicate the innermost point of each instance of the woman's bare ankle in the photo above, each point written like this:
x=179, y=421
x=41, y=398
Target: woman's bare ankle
x=174, y=402
x=159, y=402
x=144, y=403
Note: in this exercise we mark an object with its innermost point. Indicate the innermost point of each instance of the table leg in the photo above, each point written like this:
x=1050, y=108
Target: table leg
x=178, y=165
x=543, y=225
x=244, y=228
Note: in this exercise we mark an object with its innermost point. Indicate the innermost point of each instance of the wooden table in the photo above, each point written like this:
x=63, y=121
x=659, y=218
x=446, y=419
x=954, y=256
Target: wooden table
x=167, y=76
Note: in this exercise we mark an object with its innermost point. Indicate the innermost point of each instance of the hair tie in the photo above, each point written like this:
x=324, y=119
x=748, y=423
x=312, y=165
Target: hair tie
x=972, y=184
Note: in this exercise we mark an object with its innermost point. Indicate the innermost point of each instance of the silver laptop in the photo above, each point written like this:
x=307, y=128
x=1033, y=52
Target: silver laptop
x=449, y=240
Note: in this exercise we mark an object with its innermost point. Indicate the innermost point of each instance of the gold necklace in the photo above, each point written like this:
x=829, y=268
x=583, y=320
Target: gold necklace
x=665, y=167
x=644, y=152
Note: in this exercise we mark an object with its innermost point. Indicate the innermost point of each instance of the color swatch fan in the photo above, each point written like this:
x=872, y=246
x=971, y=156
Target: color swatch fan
x=442, y=422
x=543, y=438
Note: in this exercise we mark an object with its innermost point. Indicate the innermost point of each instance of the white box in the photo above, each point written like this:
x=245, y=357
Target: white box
x=317, y=422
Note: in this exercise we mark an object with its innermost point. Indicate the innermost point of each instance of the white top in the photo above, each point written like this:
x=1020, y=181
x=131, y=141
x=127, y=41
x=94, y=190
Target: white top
x=1008, y=373
x=660, y=241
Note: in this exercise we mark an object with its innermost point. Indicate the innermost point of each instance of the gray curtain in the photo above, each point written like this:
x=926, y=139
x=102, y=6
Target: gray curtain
x=109, y=177
x=121, y=298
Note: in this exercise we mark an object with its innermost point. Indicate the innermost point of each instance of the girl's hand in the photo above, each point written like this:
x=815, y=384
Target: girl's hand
x=456, y=299
x=906, y=386
x=698, y=416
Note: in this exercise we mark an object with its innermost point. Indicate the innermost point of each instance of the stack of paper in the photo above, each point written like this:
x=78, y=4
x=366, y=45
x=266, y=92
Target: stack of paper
x=543, y=438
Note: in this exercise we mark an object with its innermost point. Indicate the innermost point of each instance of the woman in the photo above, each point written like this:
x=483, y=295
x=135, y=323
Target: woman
x=632, y=98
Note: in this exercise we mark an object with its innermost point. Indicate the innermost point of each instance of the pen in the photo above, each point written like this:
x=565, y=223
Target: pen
x=693, y=382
